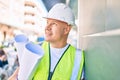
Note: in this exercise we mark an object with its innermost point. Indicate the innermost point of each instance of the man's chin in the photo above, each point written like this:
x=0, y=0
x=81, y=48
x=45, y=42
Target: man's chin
x=47, y=40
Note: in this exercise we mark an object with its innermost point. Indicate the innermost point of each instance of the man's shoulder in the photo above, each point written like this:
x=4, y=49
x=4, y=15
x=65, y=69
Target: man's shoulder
x=42, y=42
x=78, y=51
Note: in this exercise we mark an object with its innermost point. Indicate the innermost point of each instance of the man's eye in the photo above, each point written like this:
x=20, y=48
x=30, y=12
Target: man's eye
x=53, y=23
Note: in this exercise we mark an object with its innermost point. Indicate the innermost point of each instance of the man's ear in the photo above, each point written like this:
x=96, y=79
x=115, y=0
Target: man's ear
x=67, y=29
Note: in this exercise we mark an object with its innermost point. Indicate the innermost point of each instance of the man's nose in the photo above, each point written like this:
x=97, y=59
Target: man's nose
x=48, y=27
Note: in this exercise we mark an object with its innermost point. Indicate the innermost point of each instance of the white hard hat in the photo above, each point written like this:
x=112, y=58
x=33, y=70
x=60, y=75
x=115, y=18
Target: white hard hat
x=63, y=13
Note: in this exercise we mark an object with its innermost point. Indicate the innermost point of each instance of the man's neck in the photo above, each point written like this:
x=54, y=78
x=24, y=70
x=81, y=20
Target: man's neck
x=58, y=45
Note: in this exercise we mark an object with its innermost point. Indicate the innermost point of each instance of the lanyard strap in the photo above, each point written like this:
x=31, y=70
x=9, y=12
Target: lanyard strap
x=51, y=73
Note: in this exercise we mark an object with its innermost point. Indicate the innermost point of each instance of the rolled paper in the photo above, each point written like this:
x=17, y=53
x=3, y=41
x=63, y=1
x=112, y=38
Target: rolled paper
x=32, y=56
x=20, y=41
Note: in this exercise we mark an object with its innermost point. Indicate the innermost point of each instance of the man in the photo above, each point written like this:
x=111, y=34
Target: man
x=61, y=60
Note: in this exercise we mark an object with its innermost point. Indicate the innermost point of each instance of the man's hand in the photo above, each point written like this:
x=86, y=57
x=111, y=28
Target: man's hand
x=14, y=75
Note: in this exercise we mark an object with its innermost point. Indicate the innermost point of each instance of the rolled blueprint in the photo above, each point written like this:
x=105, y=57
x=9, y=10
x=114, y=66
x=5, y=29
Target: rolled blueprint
x=20, y=42
x=29, y=62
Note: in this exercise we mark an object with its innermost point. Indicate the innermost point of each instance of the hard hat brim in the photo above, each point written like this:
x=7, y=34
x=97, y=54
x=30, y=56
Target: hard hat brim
x=73, y=25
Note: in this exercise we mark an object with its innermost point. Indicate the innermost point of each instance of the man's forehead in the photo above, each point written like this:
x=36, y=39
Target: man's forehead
x=54, y=20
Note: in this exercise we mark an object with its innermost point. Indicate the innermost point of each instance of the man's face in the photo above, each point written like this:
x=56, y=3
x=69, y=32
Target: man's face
x=55, y=30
